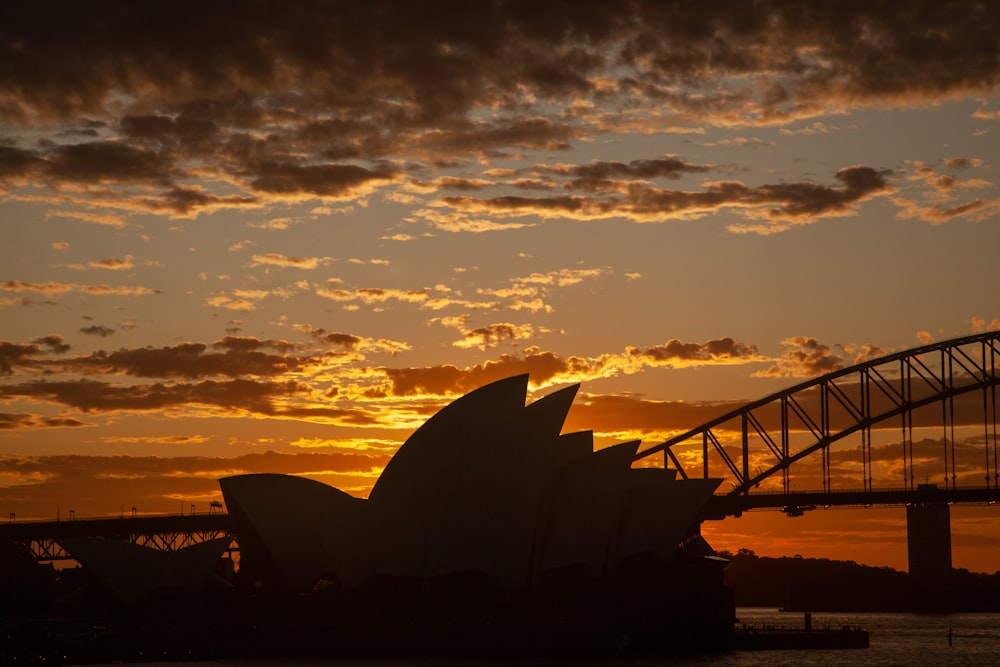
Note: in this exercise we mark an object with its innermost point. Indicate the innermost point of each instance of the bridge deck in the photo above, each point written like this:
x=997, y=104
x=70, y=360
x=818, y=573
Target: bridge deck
x=794, y=503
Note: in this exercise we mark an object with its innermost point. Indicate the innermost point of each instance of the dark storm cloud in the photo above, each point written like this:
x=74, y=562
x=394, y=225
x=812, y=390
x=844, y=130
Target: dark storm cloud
x=587, y=176
x=597, y=176
x=191, y=360
x=17, y=163
x=791, y=202
x=98, y=330
x=802, y=200
x=90, y=396
x=10, y=421
x=334, y=180
x=444, y=57
x=341, y=340
x=249, y=344
x=54, y=343
x=275, y=100
x=16, y=354
x=184, y=200
x=681, y=353
x=100, y=162
x=186, y=131
x=86, y=163
x=237, y=397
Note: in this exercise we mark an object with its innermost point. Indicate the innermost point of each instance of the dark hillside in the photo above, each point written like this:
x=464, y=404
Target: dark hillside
x=815, y=584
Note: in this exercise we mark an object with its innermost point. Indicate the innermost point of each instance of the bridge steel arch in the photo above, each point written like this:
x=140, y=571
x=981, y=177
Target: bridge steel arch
x=760, y=441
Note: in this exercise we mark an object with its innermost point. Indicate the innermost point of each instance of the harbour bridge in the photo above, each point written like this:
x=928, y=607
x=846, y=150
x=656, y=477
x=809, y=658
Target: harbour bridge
x=917, y=428
x=863, y=436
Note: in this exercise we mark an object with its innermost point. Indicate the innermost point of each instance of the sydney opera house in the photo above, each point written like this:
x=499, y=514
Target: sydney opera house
x=489, y=531
x=499, y=527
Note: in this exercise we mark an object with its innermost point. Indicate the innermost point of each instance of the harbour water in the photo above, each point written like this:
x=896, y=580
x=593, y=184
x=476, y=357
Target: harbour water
x=896, y=639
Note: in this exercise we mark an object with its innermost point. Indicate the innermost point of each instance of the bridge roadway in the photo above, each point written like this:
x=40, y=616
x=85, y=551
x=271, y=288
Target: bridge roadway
x=118, y=527
x=795, y=503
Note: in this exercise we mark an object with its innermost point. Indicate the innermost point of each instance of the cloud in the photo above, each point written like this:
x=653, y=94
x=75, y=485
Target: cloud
x=677, y=354
x=105, y=162
x=16, y=354
x=804, y=357
x=335, y=181
x=779, y=205
x=238, y=300
x=984, y=114
x=53, y=287
x=107, y=219
x=498, y=53
x=547, y=368
x=11, y=421
x=585, y=176
x=337, y=102
x=979, y=325
x=491, y=335
x=187, y=201
x=940, y=198
x=275, y=259
x=98, y=330
x=110, y=264
x=250, y=344
x=356, y=345
x=242, y=358
x=374, y=295
x=236, y=397
x=54, y=343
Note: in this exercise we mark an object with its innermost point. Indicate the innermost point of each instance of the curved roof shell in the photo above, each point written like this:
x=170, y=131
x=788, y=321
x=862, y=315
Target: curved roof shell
x=487, y=484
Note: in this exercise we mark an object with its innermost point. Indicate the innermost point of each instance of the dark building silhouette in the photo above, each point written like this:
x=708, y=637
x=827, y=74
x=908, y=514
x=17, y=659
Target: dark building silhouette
x=489, y=532
x=504, y=527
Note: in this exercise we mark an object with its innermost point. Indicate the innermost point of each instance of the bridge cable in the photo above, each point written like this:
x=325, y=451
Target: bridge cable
x=993, y=395
x=944, y=423
x=907, y=418
x=951, y=410
x=986, y=426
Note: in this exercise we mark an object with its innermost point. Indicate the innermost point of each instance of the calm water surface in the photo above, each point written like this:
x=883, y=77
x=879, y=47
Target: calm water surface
x=896, y=639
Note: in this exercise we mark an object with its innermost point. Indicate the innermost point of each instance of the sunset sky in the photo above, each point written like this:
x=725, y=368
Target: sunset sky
x=277, y=240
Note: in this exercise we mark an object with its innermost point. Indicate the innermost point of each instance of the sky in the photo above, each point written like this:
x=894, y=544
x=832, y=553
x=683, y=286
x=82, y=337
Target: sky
x=279, y=239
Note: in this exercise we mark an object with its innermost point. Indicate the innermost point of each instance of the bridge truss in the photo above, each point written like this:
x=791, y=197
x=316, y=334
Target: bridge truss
x=860, y=423
x=40, y=539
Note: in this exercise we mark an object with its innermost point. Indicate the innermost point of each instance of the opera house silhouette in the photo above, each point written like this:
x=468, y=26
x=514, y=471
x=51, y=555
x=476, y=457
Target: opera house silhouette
x=489, y=531
x=488, y=506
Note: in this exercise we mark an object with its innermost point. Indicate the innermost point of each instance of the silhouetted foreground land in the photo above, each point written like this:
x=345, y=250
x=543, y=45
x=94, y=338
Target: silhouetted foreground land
x=814, y=584
x=646, y=608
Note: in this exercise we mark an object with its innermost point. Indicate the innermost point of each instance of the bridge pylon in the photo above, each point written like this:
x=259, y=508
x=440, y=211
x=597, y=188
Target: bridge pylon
x=928, y=541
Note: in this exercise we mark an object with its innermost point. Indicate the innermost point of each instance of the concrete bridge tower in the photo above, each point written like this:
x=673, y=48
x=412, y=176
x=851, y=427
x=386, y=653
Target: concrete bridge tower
x=928, y=537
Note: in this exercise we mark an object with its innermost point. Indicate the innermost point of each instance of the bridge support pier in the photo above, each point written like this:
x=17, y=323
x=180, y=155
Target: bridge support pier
x=928, y=538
